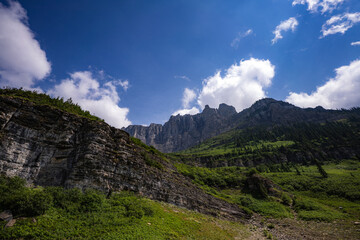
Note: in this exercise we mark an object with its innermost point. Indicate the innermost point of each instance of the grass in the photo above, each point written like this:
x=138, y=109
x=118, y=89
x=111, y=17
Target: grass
x=324, y=199
x=307, y=196
x=168, y=222
x=311, y=209
x=214, y=147
x=267, y=208
x=44, y=99
x=72, y=214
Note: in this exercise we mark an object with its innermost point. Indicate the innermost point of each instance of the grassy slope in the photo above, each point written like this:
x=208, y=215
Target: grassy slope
x=44, y=99
x=168, y=222
x=266, y=143
x=308, y=196
x=72, y=214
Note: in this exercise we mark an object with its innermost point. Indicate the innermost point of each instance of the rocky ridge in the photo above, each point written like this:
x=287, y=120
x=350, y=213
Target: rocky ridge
x=182, y=132
x=47, y=146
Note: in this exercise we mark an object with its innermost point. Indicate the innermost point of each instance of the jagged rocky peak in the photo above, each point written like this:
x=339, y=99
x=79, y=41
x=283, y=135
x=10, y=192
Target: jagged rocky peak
x=270, y=102
x=181, y=132
x=223, y=110
x=226, y=110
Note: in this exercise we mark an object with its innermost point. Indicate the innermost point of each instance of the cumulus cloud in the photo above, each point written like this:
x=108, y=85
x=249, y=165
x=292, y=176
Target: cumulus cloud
x=284, y=26
x=355, y=43
x=340, y=23
x=240, y=36
x=189, y=96
x=315, y=5
x=100, y=100
x=22, y=61
x=342, y=91
x=191, y=111
x=241, y=86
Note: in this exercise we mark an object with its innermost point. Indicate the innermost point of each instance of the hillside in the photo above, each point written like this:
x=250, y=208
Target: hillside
x=67, y=174
x=264, y=145
x=183, y=132
x=47, y=146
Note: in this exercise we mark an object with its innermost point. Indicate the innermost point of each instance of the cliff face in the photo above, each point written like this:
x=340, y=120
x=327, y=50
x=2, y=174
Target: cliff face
x=272, y=112
x=47, y=146
x=182, y=132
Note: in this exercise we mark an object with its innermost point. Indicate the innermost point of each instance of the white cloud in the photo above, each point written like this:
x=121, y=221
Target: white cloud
x=355, y=43
x=183, y=77
x=191, y=111
x=240, y=36
x=101, y=101
x=123, y=84
x=188, y=96
x=340, y=23
x=284, y=26
x=22, y=61
x=342, y=91
x=241, y=86
x=315, y=5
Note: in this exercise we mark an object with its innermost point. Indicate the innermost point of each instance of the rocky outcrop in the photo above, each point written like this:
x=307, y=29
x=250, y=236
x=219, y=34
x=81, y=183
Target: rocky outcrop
x=47, y=146
x=182, y=132
x=269, y=111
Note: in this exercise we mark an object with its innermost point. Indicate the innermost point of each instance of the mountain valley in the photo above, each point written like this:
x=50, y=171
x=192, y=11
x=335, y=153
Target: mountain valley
x=272, y=171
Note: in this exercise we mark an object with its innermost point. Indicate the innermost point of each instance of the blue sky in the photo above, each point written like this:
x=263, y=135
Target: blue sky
x=141, y=61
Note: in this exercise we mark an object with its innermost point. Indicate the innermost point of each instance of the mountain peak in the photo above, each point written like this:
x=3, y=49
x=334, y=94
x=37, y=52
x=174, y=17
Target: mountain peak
x=226, y=110
x=266, y=102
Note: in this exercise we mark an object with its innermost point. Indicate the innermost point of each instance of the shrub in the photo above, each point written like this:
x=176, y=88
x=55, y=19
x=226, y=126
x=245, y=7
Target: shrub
x=286, y=199
x=134, y=207
x=68, y=199
x=92, y=200
x=30, y=203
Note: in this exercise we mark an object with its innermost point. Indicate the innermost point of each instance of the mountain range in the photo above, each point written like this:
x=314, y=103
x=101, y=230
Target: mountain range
x=183, y=132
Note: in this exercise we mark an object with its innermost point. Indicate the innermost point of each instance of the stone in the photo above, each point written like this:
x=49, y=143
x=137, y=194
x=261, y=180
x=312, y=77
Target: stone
x=6, y=215
x=10, y=223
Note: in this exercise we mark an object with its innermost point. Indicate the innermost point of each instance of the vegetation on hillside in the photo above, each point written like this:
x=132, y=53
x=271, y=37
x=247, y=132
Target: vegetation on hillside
x=57, y=213
x=304, y=143
x=44, y=99
x=307, y=194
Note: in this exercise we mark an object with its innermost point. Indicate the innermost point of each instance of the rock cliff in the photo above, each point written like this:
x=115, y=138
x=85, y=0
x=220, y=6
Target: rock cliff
x=182, y=132
x=47, y=146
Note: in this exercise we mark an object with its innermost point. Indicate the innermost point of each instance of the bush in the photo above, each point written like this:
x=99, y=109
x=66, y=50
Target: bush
x=20, y=200
x=134, y=207
x=92, y=200
x=286, y=199
x=29, y=203
x=308, y=205
x=68, y=199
